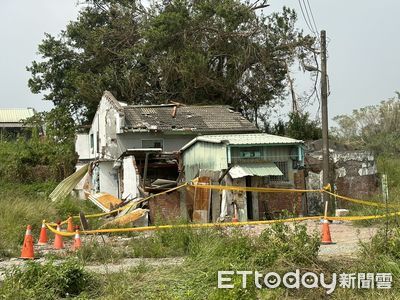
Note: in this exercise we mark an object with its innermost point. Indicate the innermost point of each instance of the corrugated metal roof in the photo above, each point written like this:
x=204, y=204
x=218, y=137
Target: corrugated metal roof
x=255, y=169
x=67, y=185
x=244, y=139
x=15, y=115
x=249, y=139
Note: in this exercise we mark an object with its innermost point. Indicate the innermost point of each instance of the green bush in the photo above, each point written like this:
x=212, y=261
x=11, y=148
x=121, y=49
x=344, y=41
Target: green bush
x=48, y=281
x=384, y=242
x=35, y=160
x=23, y=204
x=290, y=243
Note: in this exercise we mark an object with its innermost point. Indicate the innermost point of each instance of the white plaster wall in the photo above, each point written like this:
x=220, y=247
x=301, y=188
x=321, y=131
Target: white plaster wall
x=130, y=178
x=108, y=178
x=82, y=146
x=107, y=123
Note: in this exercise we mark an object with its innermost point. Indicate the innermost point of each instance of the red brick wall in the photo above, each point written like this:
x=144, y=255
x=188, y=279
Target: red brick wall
x=271, y=205
x=165, y=207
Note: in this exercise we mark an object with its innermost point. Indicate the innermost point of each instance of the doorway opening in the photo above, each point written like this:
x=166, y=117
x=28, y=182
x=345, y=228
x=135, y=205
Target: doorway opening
x=249, y=199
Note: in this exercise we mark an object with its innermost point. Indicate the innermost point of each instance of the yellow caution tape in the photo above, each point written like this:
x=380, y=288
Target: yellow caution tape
x=210, y=225
x=254, y=189
x=207, y=225
x=358, y=201
x=325, y=189
x=359, y=218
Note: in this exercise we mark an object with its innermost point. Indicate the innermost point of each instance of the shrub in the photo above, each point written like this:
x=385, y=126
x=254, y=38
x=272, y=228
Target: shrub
x=48, y=281
x=291, y=243
x=34, y=160
x=383, y=243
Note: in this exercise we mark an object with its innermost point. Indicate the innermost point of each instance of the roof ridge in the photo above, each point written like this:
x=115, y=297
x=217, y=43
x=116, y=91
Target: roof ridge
x=113, y=101
x=171, y=105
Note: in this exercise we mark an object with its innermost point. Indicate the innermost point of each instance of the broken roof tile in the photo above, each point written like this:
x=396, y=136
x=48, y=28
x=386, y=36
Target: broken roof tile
x=214, y=118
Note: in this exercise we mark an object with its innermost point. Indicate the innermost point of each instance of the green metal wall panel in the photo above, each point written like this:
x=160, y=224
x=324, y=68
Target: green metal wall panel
x=268, y=153
x=202, y=155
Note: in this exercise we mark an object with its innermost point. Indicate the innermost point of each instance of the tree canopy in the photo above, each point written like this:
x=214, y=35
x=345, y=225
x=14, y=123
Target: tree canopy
x=299, y=126
x=375, y=127
x=190, y=51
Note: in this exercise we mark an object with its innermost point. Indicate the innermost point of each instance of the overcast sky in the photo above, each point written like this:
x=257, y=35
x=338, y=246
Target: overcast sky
x=364, y=47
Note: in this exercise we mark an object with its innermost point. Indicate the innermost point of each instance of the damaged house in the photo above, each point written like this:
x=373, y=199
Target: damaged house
x=133, y=149
x=243, y=160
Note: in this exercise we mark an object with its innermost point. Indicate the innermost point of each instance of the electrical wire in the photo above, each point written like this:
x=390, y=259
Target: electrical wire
x=312, y=16
x=305, y=18
x=309, y=18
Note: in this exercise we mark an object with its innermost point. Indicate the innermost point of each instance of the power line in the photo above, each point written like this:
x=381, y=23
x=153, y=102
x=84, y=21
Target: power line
x=305, y=19
x=312, y=16
x=309, y=18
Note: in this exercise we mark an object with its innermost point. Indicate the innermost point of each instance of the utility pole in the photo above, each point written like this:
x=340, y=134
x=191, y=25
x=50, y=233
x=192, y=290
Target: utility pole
x=324, y=110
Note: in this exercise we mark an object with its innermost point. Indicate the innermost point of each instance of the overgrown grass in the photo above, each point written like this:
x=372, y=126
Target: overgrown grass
x=279, y=248
x=94, y=251
x=206, y=252
x=391, y=167
x=48, y=281
x=25, y=204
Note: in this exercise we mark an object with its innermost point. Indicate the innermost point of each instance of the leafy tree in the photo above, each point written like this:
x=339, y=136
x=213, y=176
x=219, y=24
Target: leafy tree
x=196, y=52
x=301, y=127
x=56, y=126
x=375, y=127
x=298, y=127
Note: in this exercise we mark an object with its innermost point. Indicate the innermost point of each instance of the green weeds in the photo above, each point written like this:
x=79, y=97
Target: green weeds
x=48, y=281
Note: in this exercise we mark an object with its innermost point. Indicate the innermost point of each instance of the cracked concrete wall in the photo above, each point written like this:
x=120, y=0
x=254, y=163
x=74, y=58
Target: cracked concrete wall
x=354, y=174
x=101, y=141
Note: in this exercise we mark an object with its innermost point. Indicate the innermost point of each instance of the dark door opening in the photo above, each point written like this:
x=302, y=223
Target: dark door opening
x=249, y=199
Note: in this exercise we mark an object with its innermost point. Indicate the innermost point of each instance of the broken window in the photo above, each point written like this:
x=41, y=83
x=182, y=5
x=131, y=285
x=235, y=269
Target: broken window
x=92, y=143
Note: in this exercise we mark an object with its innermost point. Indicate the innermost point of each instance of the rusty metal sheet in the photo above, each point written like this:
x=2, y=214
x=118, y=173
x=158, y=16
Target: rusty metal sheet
x=202, y=197
x=104, y=201
x=128, y=218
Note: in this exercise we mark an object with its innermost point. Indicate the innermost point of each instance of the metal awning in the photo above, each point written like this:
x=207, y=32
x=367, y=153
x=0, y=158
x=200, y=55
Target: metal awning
x=254, y=169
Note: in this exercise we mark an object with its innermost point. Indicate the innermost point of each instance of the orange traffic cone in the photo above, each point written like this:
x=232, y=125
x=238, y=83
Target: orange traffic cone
x=77, y=240
x=43, y=235
x=326, y=233
x=58, y=242
x=70, y=227
x=235, y=214
x=27, y=248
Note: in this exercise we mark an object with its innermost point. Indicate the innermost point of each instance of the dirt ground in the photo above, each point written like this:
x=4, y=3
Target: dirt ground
x=346, y=238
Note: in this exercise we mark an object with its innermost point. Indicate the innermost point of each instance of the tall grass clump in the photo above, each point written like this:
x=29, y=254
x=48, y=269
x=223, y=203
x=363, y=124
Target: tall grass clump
x=209, y=250
x=23, y=204
x=48, y=281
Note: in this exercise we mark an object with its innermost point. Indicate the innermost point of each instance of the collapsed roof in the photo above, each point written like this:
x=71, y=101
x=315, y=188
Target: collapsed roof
x=178, y=117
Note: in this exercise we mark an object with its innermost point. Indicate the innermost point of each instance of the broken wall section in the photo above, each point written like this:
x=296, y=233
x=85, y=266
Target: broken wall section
x=353, y=174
